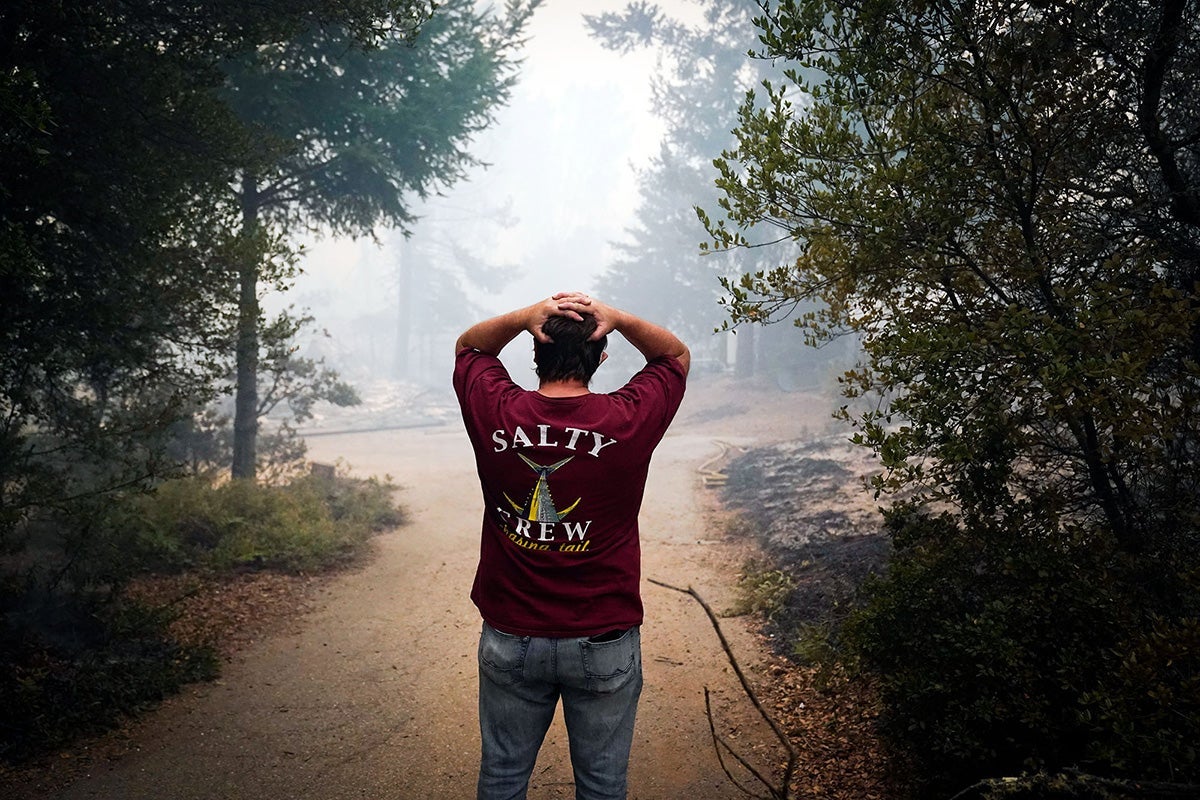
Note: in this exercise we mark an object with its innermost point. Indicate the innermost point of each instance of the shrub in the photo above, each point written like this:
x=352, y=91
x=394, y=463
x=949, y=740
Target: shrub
x=70, y=666
x=76, y=654
x=1017, y=647
x=761, y=589
x=307, y=524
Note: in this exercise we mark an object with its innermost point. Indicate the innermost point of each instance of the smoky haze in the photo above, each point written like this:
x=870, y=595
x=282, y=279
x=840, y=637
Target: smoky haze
x=560, y=190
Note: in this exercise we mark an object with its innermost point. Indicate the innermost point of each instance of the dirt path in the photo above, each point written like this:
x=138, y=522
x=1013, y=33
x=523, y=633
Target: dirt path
x=373, y=694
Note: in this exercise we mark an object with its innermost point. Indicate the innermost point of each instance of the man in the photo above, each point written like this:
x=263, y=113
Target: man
x=563, y=471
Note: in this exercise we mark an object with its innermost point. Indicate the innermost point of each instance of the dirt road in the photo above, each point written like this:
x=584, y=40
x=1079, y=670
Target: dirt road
x=373, y=694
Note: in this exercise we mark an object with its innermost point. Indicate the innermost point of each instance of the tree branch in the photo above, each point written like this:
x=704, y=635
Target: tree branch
x=1162, y=51
x=719, y=743
x=782, y=791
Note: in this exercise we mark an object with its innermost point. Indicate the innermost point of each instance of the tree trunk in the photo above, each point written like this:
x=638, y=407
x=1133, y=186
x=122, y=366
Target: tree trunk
x=245, y=416
x=1111, y=493
x=402, y=364
x=744, y=366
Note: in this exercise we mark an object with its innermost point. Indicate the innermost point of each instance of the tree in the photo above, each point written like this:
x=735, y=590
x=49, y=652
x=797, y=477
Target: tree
x=290, y=386
x=1000, y=198
x=109, y=244
x=703, y=74
x=662, y=269
x=437, y=277
x=351, y=134
x=117, y=234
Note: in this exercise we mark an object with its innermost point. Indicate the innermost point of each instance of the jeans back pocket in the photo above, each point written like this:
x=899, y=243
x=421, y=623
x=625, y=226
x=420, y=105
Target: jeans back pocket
x=502, y=655
x=608, y=666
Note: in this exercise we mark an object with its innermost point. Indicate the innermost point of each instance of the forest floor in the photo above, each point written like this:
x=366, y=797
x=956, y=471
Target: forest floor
x=361, y=683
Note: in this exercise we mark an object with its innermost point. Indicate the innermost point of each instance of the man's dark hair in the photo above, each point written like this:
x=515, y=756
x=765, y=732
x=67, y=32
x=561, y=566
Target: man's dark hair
x=569, y=355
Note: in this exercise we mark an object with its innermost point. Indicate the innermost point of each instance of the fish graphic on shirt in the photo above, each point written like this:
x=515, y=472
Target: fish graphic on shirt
x=540, y=505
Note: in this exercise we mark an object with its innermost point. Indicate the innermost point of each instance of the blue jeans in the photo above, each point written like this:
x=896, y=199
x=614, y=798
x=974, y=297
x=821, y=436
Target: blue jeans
x=520, y=681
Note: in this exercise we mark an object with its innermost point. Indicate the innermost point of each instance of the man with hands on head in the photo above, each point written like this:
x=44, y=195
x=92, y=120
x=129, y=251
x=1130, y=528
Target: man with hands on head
x=563, y=471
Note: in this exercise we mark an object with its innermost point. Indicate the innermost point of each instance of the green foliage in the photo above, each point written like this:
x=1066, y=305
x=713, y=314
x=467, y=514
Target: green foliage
x=111, y=256
x=305, y=525
x=1003, y=201
x=118, y=240
x=660, y=271
x=74, y=667
x=76, y=655
x=817, y=644
x=762, y=590
x=1146, y=713
x=124, y=130
x=1010, y=648
x=348, y=133
x=290, y=387
x=295, y=382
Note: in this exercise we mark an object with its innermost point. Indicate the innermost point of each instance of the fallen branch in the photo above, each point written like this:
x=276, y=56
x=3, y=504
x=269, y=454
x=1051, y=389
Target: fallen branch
x=718, y=743
x=778, y=792
x=1073, y=783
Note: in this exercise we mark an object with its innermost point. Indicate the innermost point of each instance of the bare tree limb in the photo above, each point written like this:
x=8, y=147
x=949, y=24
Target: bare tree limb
x=719, y=743
x=781, y=792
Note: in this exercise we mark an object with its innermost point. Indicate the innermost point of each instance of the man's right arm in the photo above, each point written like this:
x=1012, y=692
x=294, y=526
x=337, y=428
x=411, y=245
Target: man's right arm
x=652, y=341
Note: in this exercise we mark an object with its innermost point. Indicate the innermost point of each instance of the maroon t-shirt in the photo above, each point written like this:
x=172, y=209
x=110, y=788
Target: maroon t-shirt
x=562, y=479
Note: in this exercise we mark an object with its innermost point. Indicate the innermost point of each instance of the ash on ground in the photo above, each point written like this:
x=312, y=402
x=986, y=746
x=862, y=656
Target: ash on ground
x=808, y=506
x=386, y=405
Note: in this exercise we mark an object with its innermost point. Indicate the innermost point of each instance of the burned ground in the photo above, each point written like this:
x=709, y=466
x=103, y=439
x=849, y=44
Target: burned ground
x=808, y=510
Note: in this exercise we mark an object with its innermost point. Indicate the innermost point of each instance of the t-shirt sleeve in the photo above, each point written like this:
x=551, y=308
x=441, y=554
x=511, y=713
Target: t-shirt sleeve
x=482, y=385
x=476, y=373
x=657, y=389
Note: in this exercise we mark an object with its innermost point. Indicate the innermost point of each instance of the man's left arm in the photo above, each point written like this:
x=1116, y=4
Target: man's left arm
x=491, y=335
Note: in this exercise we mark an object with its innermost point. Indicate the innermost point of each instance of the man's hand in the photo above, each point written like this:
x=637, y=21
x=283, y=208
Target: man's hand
x=490, y=336
x=563, y=304
x=607, y=317
x=650, y=339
